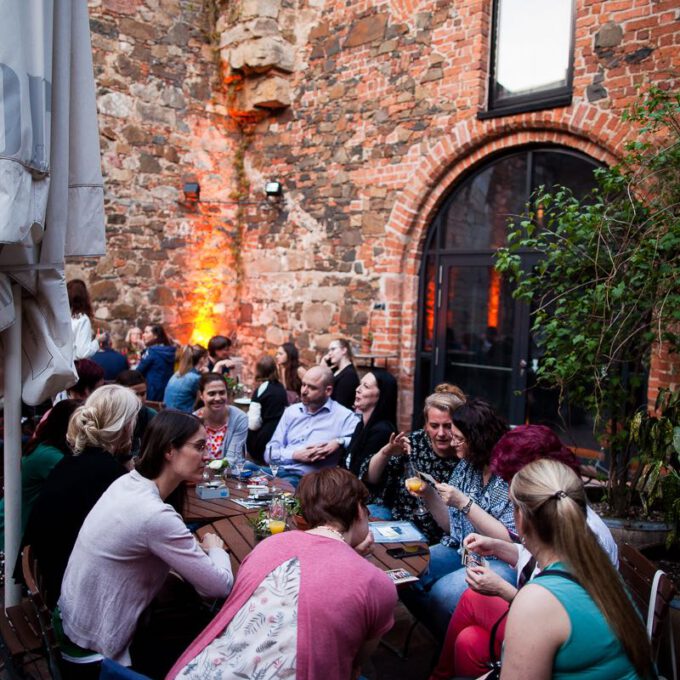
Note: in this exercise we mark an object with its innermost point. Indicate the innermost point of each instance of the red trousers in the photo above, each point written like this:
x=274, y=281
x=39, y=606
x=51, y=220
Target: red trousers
x=466, y=646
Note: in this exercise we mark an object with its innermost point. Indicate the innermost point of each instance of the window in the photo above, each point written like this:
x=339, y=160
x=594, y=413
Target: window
x=531, y=56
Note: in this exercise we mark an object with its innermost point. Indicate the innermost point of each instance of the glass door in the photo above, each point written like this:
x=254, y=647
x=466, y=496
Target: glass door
x=481, y=329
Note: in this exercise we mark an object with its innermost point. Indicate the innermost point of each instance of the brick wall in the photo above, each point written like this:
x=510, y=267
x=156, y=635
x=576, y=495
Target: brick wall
x=383, y=120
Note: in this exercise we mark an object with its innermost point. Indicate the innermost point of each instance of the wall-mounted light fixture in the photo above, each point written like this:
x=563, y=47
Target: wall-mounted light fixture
x=273, y=189
x=192, y=193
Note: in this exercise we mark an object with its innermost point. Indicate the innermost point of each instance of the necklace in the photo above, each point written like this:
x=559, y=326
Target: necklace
x=335, y=533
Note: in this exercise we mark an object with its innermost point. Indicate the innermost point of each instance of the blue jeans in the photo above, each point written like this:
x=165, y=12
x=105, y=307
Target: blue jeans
x=379, y=511
x=442, y=585
x=281, y=473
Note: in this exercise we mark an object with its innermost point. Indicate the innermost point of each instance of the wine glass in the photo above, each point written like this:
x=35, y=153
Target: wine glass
x=274, y=463
x=414, y=483
x=238, y=465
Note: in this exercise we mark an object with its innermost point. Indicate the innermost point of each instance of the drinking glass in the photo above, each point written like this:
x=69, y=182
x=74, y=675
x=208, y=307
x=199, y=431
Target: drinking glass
x=413, y=482
x=274, y=463
x=238, y=465
x=277, y=516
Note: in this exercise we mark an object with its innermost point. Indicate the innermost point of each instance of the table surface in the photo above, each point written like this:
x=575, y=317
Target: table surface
x=230, y=522
x=201, y=510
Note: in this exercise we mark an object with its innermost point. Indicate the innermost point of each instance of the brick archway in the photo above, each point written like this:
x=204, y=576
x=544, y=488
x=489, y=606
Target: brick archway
x=583, y=127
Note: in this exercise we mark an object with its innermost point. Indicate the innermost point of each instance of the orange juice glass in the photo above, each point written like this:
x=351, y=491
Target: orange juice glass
x=276, y=526
x=415, y=484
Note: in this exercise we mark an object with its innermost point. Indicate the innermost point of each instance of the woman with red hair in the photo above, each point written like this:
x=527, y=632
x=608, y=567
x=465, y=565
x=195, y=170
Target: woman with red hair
x=484, y=606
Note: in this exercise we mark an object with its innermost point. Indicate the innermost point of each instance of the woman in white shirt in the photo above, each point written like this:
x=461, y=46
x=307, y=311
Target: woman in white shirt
x=84, y=345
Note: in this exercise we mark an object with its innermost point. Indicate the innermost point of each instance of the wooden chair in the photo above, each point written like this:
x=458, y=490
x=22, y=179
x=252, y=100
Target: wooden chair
x=21, y=648
x=36, y=594
x=652, y=592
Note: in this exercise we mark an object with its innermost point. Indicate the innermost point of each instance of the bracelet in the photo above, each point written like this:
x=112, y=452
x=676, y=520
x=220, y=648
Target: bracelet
x=466, y=508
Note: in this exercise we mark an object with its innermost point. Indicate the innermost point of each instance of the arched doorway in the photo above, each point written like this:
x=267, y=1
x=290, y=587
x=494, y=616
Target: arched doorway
x=471, y=331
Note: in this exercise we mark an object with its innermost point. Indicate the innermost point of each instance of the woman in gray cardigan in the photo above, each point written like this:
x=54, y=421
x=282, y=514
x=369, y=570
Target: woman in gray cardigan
x=225, y=425
x=127, y=546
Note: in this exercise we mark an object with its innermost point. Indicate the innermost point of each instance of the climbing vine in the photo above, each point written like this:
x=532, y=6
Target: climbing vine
x=244, y=123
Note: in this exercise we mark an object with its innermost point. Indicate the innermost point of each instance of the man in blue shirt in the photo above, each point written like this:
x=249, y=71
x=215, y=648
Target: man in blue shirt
x=311, y=434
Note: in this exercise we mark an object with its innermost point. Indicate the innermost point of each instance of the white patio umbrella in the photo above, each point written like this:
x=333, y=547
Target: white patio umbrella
x=51, y=207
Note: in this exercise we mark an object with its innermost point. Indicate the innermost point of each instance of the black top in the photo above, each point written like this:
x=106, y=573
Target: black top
x=72, y=489
x=365, y=443
x=144, y=417
x=273, y=401
x=345, y=385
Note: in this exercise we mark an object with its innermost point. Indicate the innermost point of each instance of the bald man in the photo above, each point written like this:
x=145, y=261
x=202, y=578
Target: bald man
x=311, y=434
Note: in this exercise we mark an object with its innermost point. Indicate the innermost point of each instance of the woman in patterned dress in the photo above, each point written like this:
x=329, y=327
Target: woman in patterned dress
x=282, y=619
x=474, y=500
x=428, y=450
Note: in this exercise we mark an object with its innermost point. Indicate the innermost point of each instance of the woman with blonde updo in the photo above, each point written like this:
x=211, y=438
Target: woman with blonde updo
x=574, y=619
x=100, y=434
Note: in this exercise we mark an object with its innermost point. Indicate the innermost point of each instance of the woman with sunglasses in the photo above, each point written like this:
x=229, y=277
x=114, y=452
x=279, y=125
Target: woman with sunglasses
x=131, y=540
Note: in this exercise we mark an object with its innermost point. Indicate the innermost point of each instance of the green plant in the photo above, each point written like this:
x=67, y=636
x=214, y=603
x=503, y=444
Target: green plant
x=260, y=523
x=292, y=503
x=656, y=437
x=604, y=289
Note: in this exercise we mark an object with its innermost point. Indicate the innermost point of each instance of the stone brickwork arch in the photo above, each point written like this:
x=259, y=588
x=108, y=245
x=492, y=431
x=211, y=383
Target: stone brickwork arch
x=583, y=127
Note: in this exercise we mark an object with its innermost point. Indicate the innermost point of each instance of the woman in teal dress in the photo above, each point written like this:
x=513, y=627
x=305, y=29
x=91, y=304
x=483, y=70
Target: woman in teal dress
x=42, y=453
x=574, y=619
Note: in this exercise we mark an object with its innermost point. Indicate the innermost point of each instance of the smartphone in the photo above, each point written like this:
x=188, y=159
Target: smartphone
x=401, y=553
x=471, y=559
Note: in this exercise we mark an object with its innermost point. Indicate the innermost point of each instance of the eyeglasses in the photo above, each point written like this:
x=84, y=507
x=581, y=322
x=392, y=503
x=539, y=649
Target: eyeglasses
x=199, y=445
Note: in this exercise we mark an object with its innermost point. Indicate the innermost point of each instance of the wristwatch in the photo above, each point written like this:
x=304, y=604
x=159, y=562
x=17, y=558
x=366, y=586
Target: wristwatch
x=466, y=508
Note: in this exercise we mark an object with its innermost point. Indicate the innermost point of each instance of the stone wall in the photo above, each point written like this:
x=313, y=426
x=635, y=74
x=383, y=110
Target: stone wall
x=163, y=122
x=380, y=121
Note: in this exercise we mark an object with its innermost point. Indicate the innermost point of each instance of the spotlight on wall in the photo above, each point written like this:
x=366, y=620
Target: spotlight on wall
x=273, y=189
x=192, y=193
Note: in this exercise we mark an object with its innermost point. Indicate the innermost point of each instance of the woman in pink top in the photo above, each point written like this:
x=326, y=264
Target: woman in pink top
x=305, y=604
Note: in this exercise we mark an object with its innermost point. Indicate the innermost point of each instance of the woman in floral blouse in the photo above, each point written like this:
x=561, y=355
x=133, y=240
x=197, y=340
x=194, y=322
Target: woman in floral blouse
x=282, y=619
x=427, y=450
x=474, y=500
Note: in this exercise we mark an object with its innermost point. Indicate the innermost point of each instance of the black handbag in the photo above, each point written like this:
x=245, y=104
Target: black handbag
x=495, y=663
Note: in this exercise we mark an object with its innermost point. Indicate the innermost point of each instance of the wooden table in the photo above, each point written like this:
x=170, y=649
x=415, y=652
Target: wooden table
x=200, y=510
x=230, y=521
x=239, y=537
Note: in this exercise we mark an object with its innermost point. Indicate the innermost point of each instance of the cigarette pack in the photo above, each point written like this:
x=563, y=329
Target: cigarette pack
x=210, y=491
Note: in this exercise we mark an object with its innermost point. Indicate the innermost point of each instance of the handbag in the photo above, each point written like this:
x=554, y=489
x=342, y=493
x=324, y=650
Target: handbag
x=494, y=662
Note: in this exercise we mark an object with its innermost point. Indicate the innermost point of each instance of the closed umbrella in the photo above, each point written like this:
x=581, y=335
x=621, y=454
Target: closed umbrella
x=51, y=207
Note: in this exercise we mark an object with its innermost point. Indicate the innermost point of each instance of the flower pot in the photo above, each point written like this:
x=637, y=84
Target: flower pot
x=300, y=523
x=639, y=533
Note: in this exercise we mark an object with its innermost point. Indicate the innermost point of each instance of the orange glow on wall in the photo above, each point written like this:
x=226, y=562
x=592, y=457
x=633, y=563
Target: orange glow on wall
x=493, y=303
x=204, y=328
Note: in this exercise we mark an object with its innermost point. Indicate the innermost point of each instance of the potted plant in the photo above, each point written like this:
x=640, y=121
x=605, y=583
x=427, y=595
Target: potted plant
x=657, y=476
x=604, y=287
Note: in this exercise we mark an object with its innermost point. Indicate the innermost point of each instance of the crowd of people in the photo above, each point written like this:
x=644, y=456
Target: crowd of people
x=512, y=539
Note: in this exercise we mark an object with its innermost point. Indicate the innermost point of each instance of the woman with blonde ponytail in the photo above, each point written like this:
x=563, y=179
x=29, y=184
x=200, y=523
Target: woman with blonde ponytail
x=574, y=619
